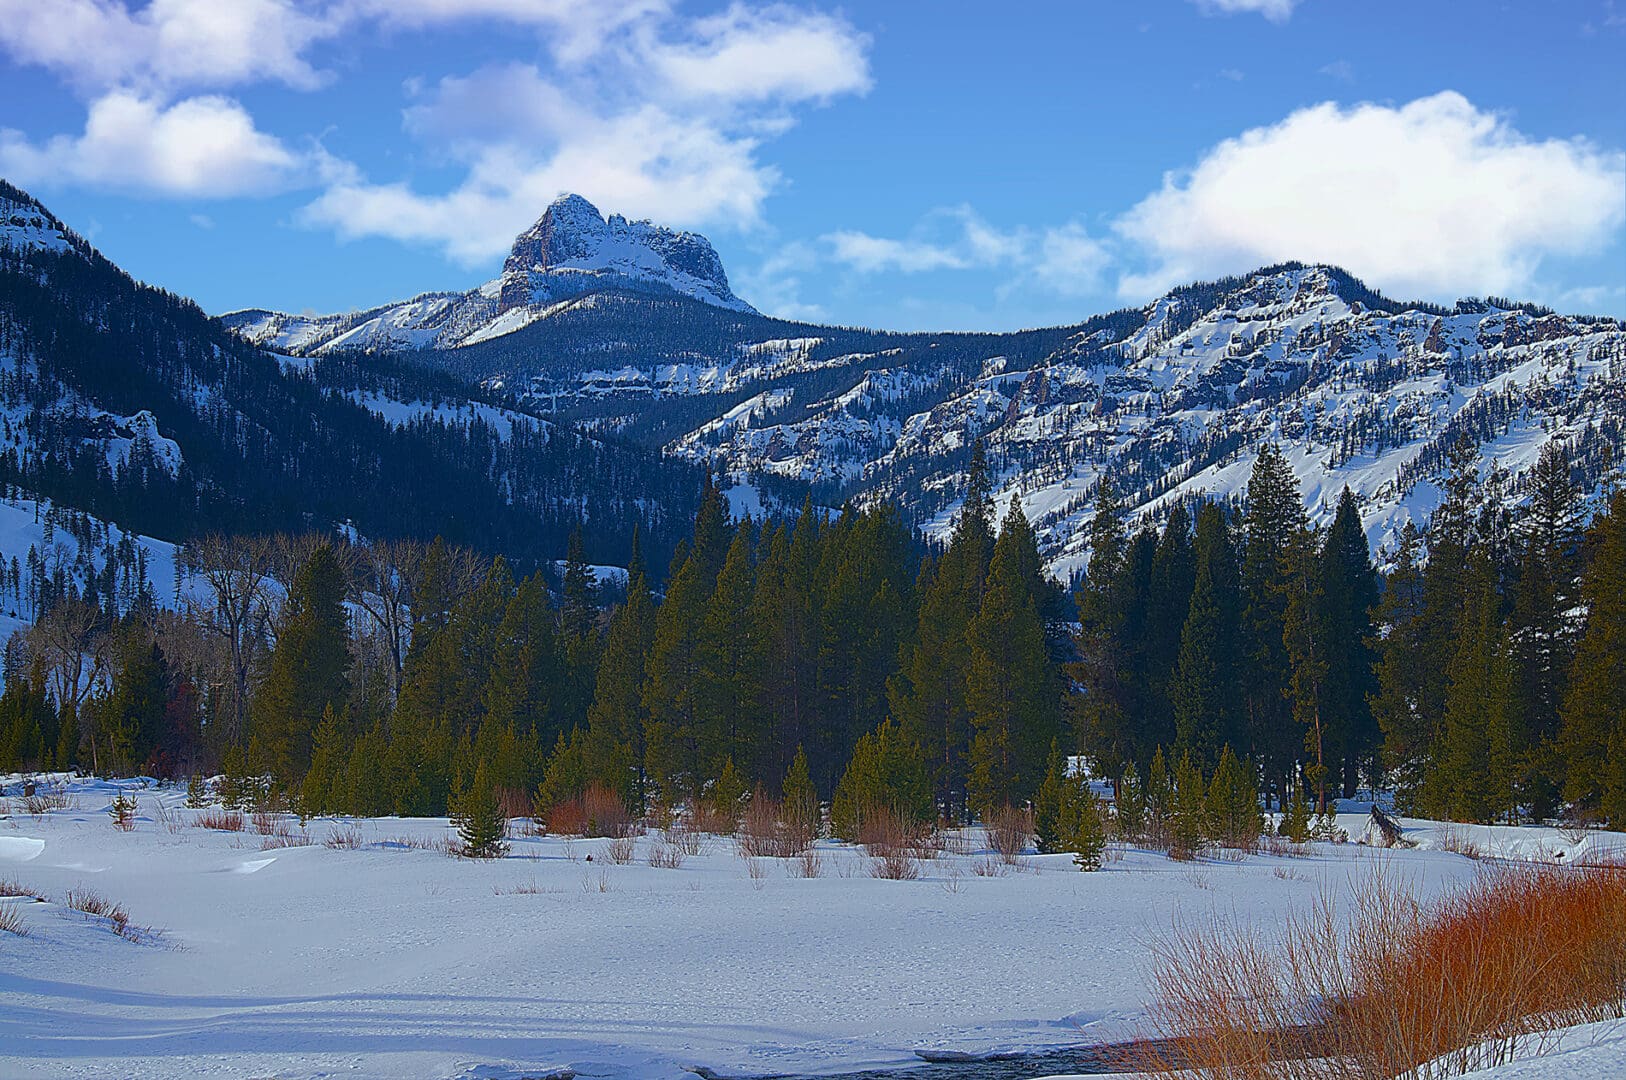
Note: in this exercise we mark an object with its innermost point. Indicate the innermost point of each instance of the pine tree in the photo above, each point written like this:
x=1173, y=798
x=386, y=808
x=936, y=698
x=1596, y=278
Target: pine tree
x=1048, y=804
x=1592, y=726
x=197, y=796
x=728, y=667
x=122, y=811
x=308, y=667
x=1475, y=770
x=1233, y=804
x=1084, y=827
x=1349, y=593
x=1010, y=687
x=887, y=771
x=672, y=681
x=1295, y=823
x=1206, y=685
x=800, y=798
x=1275, y=516
x=319, y=794
x=615, y=720
x=1398, y=702
x=481, y=826
x=727, y=794
x=1304, y=634
x=1131, y=806
x=1159, y=800
x=1188, y=817
x=1169, y=600
x=929, y=695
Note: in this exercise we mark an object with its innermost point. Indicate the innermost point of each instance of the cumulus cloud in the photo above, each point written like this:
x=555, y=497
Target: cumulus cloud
x=666, y=121
x=200, y=146
x=1274, y=10
x=1431, y=198
x=763, y=55
x=99, y=44
x=1061, y=259
x=646, y=162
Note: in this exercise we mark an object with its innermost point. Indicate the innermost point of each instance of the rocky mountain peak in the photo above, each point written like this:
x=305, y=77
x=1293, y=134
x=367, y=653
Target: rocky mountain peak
x=573, y=249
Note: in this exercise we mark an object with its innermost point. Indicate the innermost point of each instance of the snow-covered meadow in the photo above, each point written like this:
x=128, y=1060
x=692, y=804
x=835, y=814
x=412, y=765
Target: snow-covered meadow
x=384, y=957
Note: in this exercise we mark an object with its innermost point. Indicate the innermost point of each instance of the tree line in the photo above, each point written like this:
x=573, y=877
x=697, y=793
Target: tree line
x=842, y=655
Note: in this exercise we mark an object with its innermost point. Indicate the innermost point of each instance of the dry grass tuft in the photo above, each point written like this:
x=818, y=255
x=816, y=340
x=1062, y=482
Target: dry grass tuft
x=808, y=863
x=94, y=905
x=41, y=803
x=664, y=855
x=11, y=920
x=221, y=820
x=1405, y=989
x=765, y=831
x=14, y=888
x=348, y=838
x=1458, y=842
x=619, y=850
x=1009, y=830
x=599, y=811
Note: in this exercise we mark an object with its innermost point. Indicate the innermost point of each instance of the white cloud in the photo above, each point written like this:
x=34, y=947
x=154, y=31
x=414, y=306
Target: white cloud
x=199, y=146
x=1274, y=10
x=870, y=254
x=646, y=162
x=1433, y=198
x=1342, y=70
x=99, y=44
x=665, y=119
x=1071, y=261
x=774, y=54
x=1063, y=259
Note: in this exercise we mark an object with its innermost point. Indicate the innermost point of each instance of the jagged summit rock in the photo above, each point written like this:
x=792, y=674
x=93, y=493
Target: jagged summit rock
x=573, y=249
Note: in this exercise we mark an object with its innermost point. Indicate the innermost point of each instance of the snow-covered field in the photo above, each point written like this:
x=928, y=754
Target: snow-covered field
x=389, y=960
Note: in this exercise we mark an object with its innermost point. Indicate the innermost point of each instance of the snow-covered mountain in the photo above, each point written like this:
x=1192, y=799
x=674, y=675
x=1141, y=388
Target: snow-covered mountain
x=631, y=328
x=1172, y=399
x=571, y=251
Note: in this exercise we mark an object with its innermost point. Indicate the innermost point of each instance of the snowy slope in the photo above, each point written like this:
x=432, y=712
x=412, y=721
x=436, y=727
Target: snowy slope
x=1355, y=395
x=389, y=961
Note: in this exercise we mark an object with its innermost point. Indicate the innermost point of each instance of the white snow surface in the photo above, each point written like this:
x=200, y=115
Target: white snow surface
x=390, y=961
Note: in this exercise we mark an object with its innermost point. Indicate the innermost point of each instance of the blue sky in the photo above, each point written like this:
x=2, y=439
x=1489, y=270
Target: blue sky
x=901, y=164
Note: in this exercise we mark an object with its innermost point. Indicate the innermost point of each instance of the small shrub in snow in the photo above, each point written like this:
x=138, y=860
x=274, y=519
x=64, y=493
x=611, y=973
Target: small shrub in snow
x=197, y=795
x=619, y=850
x=13, y=888
x=11, y=920
x=122, y=811
x=687, y=840
x=1008, y=830
x=41, y=803
x=221, y=820
x=348, y=838
x=894, y=864
x=665, y=856
x=808, y=864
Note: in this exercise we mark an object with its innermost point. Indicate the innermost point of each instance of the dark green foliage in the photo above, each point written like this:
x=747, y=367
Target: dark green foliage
x=308, y=667
x=482, y=828
x=800, y=798
x=1593, y=732
x=197, y=796
x=1234, y=819
x=887, y=770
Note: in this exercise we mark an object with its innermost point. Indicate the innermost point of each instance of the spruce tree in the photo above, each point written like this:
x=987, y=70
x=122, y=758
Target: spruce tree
x=197, y=796
x=1592, y=728
x=1233, y=804
x=1206, y=686
x=308, y=671
x=801, y=799
x=482, y=827
x=1401, y=674
x=1011, y=690
x=1475, y=769
x=1131, y=807
x=1274, y=517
